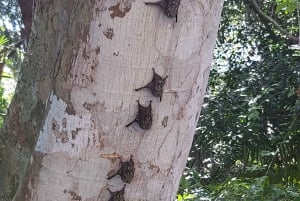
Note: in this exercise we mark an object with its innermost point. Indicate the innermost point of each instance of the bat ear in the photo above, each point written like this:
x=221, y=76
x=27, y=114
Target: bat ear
x=154, y=73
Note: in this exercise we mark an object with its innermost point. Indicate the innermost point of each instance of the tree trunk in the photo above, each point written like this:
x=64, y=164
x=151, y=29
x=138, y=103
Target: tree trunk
x=66, y=133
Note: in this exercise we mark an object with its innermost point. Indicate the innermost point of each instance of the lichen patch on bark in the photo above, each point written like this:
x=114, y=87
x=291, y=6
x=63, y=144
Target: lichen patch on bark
x=64, y=132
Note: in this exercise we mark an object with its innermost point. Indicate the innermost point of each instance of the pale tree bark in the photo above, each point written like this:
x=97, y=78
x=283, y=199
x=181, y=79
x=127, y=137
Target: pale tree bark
x=76, y=94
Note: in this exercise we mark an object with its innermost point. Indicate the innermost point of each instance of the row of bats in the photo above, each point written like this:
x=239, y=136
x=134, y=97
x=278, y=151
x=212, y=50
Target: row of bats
x=144, y=116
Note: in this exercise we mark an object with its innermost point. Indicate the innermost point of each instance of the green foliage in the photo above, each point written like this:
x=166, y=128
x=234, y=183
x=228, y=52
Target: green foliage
x=3, y=40
x=288, y=6
x=3, y=106
x=185, y=196
x=246, y=189
x=260, y=188
x=3, y=59
x=248, y=142
x=10, y=52
x=10, y=19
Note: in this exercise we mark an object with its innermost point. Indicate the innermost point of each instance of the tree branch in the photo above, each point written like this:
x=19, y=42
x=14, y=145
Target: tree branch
x=263, y=16
x=26, y=7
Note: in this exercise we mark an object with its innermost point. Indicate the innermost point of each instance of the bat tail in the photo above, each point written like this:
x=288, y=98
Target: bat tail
x=159, y=3
x=144, y=87
x=130, y=123
x=150, y=3
x=108, y=178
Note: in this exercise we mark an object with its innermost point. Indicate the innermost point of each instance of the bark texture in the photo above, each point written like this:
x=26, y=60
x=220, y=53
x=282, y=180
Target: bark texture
x=65, y=132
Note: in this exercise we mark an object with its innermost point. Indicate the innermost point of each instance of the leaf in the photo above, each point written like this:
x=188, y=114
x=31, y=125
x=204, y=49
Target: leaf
x=288, y=6
x=6, y=75
x=188, y=196
x=179, y=198
x=254, y=115
x=3, y=40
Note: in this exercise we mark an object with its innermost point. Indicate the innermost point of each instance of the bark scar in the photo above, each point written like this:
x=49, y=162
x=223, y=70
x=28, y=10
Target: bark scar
x=118, y=10
x=57, y=67
x=164, y=122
